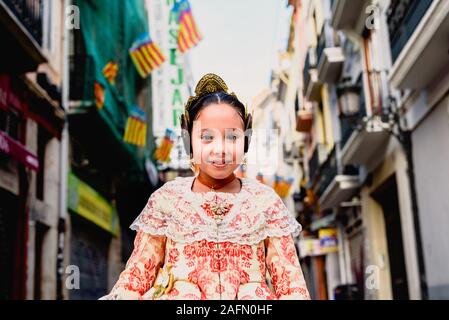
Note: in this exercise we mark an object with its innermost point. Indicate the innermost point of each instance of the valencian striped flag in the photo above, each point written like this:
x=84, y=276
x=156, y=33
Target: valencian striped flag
x=136, y=128
x=188, y=35
x=99, y=95
x=162, y=153
x=110, y=71
x=282, y=186
x=146, y=55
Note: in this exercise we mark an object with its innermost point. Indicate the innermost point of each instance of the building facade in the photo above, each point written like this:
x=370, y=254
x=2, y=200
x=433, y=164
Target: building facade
x=369, y=151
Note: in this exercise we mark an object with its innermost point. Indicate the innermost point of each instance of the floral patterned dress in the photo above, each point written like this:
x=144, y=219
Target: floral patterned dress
x=213, y=245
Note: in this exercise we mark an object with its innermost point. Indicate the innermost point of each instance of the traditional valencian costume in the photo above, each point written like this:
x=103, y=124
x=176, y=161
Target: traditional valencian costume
x=213, y=245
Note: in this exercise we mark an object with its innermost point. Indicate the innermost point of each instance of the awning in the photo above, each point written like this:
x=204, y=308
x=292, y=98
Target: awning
x=18, y=152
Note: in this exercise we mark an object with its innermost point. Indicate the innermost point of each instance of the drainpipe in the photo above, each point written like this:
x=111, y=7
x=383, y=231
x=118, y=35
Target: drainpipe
x=63, y=162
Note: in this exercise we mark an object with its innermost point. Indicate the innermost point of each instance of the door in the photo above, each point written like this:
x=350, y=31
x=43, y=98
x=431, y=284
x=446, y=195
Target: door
x=387, y=197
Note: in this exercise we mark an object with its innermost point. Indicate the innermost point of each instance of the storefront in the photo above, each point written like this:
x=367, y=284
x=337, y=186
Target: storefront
x=16, y=165
x=320, y=262
x=94, y=222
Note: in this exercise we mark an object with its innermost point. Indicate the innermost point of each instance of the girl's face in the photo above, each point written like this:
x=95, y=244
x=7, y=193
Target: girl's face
x=218, y=140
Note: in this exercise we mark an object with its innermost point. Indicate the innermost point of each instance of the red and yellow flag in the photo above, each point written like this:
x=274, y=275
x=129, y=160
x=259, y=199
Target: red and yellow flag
x=110, y=71
x=282, y=186
x=162, y=153
x=188, y=35
x=146, y=55
x=99, y=95
x=136, y=128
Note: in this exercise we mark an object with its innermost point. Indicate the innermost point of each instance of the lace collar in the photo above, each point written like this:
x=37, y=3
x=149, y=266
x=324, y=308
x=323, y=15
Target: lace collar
x=175, y=211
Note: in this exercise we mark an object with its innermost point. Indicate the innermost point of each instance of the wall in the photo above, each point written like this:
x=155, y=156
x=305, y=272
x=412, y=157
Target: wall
x=433, y=205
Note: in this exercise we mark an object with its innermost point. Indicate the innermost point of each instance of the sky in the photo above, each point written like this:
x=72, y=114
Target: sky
x=241, y=40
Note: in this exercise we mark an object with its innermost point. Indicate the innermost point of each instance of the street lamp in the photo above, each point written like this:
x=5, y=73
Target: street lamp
x=349, y=100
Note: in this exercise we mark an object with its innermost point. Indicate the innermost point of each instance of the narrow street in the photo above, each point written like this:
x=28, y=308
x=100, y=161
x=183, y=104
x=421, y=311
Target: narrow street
x=349, y=103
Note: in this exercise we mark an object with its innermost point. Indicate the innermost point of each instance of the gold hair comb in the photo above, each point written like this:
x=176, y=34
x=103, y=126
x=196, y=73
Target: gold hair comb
x=209, y=83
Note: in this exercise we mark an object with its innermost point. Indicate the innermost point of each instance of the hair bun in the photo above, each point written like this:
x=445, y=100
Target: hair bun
x=210, y=83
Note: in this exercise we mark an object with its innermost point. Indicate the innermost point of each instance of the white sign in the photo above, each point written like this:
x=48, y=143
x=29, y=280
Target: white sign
x=170, y=82
x=169, y=86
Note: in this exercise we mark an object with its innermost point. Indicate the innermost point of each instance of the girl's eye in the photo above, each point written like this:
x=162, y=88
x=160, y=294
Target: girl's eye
x=206, y=137
x=232, y=137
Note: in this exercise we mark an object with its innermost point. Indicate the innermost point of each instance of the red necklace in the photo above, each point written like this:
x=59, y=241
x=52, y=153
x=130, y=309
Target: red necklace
x=213, y=183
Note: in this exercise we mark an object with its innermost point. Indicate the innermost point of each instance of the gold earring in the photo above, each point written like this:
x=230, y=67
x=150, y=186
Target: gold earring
x=192, y=165
x=244, y=163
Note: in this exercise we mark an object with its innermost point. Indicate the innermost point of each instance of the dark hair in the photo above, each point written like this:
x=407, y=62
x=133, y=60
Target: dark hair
x=206, y=100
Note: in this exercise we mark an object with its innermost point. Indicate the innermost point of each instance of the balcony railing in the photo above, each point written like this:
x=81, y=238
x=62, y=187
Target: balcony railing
x=318, y=157
x=309, y=64
x=328, y=171
x=330, y=57
x=321, y=45
x=312, y=85
x=30, y=14
x=403, y=17
x=314, y=164
x=327, y=39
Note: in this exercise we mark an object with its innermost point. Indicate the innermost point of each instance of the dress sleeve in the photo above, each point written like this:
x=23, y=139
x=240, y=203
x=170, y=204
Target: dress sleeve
x=148, y=254
x=281, y=257
x=141, y=268
x=279, y=221
x=286, y=273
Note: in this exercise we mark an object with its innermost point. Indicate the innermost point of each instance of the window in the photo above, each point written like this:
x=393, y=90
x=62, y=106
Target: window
x=42, y=141
x=12, y=124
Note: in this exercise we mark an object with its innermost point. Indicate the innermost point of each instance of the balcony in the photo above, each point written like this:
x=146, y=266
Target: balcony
x=21, y=35
x=335, y=183
x=363, y=139
x=312, y=86
x=330, y=56
x=318, y=157
x=418, y=32
x=349, y=15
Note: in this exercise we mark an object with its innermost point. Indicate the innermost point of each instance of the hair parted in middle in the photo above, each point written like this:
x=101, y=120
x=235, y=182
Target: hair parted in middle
x=212, y=89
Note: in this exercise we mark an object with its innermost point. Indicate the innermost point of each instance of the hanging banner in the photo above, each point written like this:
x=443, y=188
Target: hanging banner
x=136, y=128
x=110, y=71
x=188, y=35
x=146, y=55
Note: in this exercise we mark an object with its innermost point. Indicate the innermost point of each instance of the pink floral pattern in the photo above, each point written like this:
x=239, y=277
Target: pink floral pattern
x=210, y=259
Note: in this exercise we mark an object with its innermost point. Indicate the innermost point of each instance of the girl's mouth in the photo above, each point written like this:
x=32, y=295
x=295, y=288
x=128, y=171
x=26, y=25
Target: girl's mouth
x=219, y=165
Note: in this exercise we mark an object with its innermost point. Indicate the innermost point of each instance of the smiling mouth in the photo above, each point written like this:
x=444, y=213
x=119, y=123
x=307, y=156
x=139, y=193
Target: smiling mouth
x=219, y=163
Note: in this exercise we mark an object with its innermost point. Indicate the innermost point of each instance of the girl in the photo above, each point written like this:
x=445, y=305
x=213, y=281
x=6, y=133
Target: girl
x=213, y=235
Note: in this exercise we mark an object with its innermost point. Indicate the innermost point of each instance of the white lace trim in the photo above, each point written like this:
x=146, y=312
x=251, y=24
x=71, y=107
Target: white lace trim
x=175, y=212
